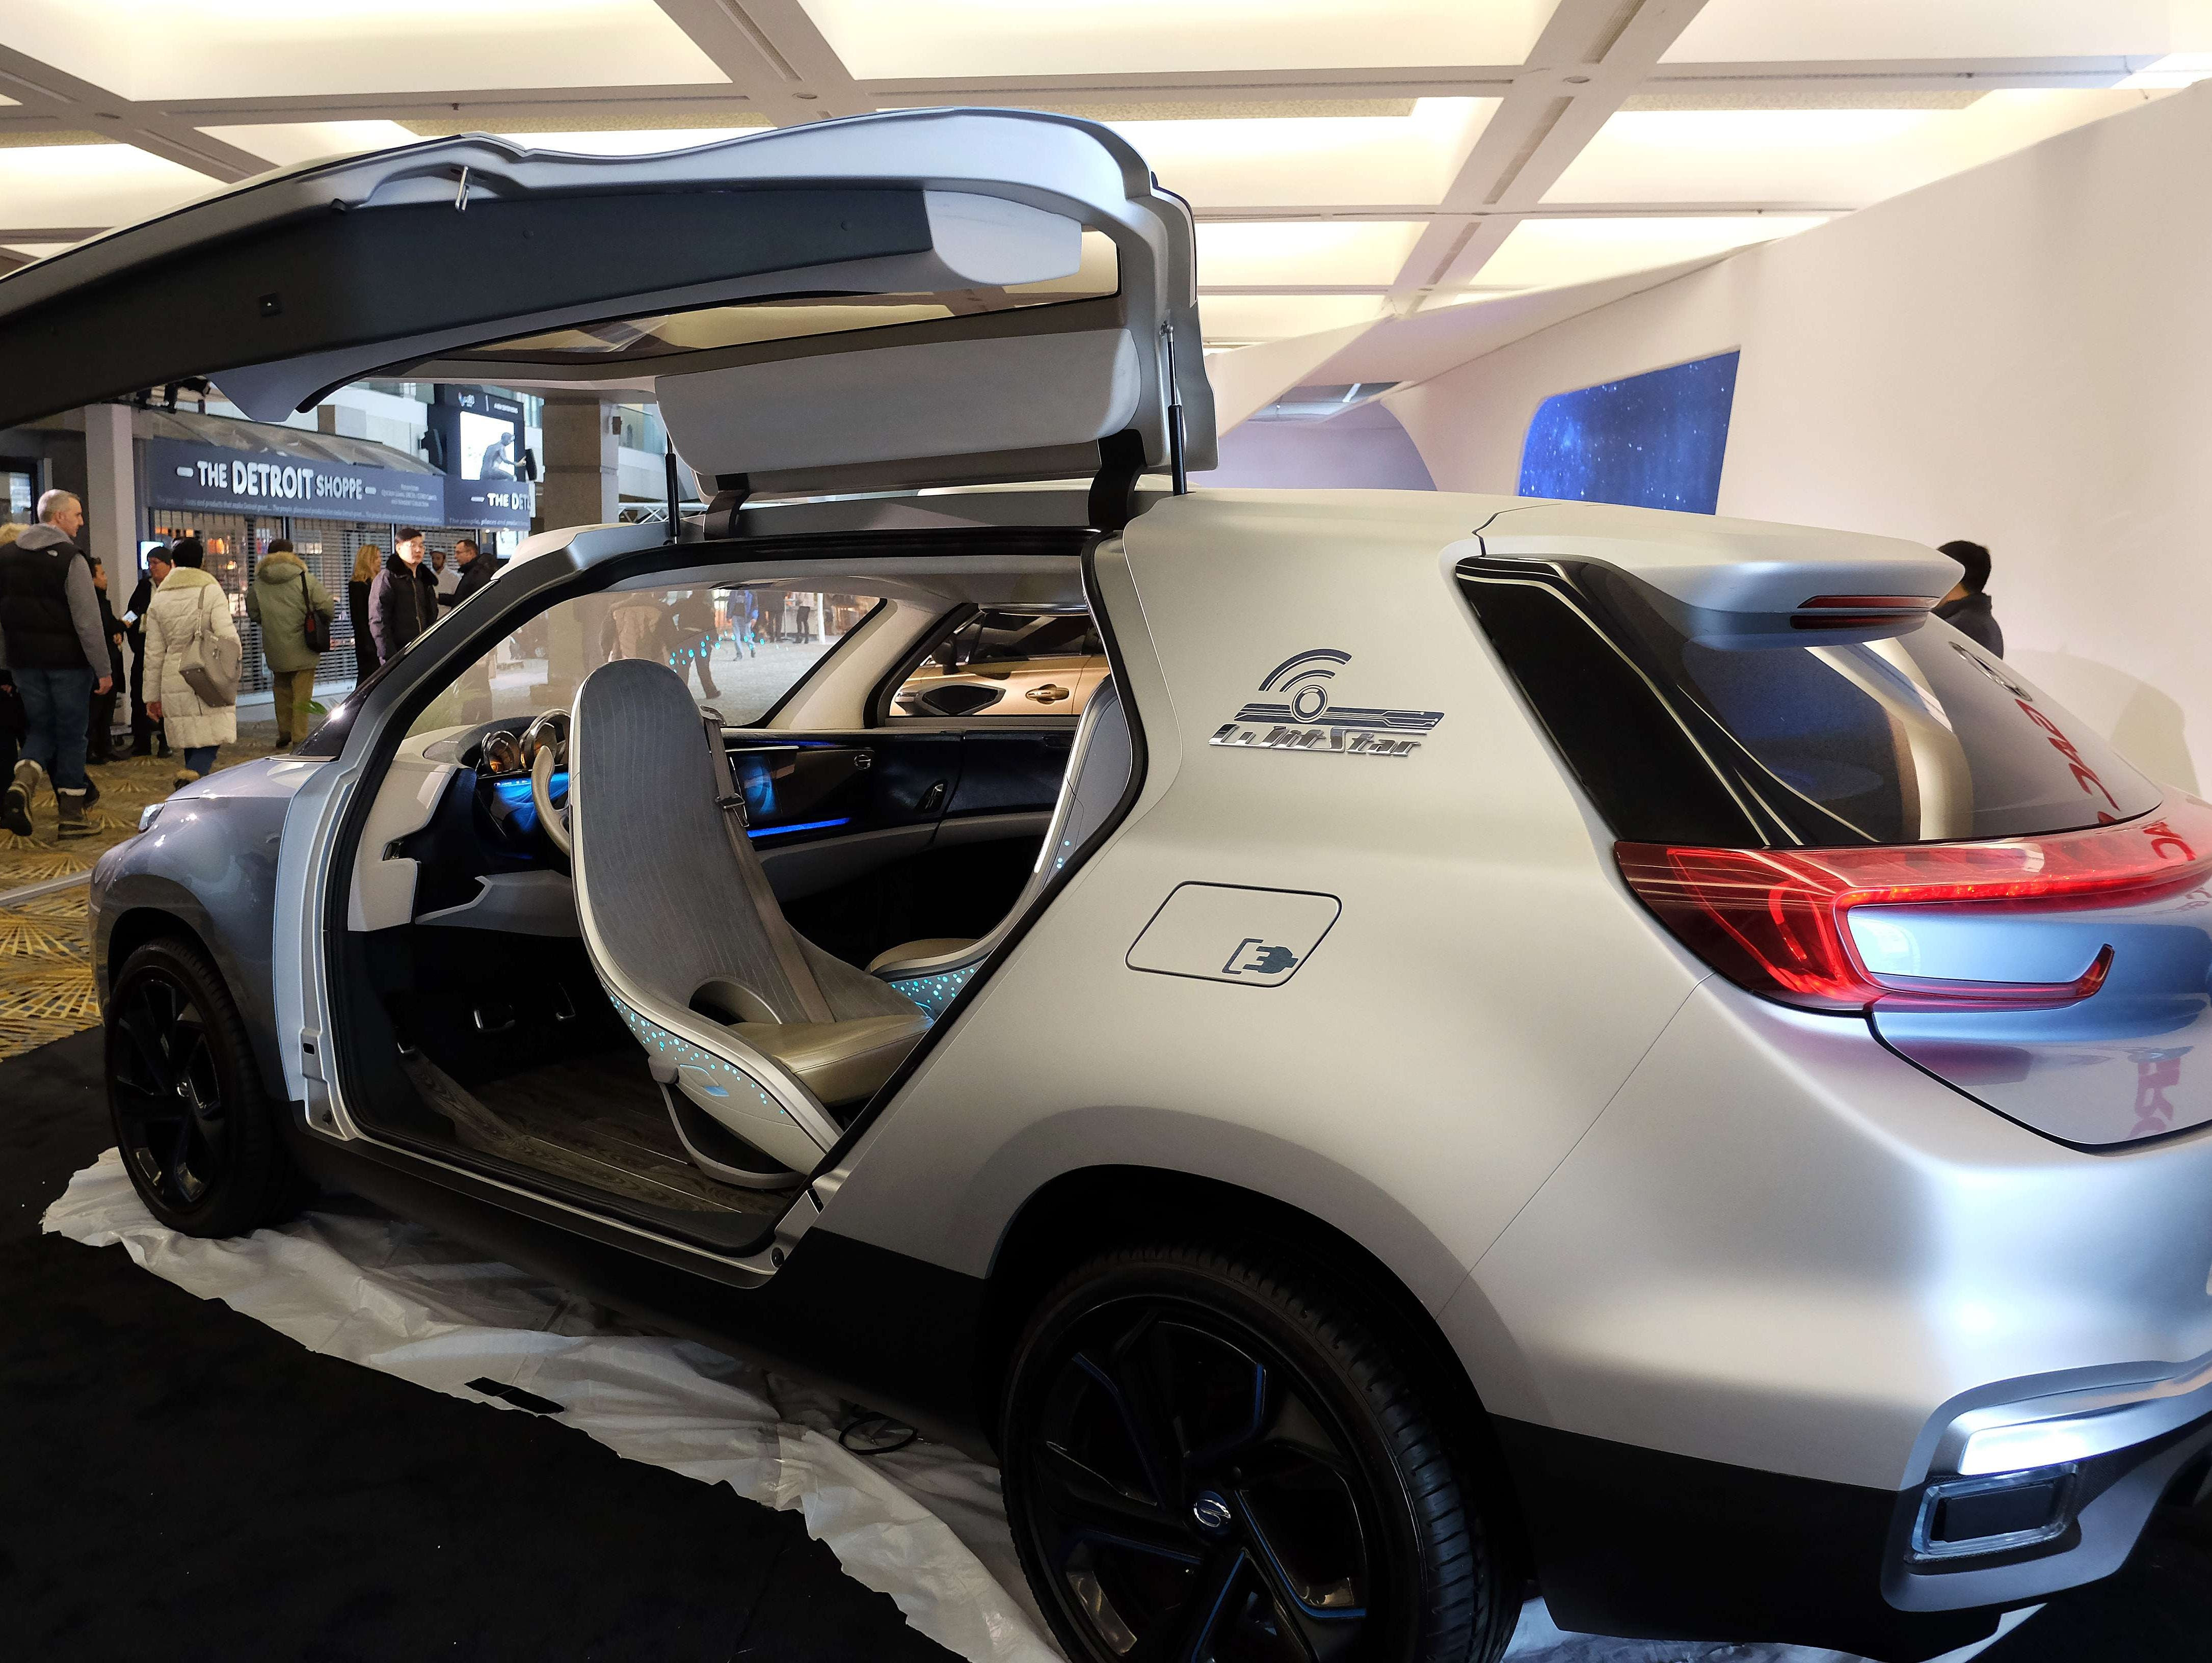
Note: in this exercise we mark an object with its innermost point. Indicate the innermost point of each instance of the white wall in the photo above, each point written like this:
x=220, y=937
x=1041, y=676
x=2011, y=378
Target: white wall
x=1364, y=448
x=2020, y=354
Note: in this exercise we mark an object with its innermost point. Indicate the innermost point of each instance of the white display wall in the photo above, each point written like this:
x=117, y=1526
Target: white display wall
x=2020, y=354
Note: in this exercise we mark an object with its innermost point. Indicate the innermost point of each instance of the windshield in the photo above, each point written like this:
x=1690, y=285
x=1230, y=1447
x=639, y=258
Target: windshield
x=1720, y=729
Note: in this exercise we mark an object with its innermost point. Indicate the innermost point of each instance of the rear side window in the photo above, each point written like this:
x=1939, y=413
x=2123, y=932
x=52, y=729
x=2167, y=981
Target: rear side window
x=1002, y=663
x=1692, y=728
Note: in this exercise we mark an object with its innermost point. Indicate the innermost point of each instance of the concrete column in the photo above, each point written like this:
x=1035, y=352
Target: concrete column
x=342, y=421
x=583, y=454
x=111, y=492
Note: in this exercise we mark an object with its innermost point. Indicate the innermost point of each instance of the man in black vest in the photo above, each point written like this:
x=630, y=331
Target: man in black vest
x=51, y=642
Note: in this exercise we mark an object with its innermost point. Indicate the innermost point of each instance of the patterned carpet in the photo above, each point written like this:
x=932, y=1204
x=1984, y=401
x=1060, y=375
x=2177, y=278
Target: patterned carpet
x=45, y=959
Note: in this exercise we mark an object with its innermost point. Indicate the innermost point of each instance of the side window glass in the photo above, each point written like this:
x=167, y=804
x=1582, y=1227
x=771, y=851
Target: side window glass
x=1003, y=663
x=738, y=650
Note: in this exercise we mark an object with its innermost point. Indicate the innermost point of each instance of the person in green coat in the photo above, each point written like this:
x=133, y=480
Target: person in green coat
x=278, y=600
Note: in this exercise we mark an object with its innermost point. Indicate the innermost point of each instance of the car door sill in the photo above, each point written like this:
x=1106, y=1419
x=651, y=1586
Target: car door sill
x=752, y=1265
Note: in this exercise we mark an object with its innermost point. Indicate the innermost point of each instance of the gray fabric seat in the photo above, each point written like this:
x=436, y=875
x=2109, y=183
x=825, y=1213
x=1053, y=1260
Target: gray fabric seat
x=1098, y=766
x=686, y=935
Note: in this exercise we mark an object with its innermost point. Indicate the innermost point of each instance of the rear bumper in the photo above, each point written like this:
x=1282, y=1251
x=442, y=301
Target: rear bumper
x=1638, y=1542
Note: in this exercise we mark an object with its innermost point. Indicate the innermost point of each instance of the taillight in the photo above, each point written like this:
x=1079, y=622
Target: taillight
x=1775, y=921
x=1858, y=611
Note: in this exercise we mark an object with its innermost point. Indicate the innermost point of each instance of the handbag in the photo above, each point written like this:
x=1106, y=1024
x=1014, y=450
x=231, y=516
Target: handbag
x=211, y=666
x=316, y=627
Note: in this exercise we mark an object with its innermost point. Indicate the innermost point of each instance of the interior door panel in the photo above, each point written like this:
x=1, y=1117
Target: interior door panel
x=1007, y=770
x=828, y=809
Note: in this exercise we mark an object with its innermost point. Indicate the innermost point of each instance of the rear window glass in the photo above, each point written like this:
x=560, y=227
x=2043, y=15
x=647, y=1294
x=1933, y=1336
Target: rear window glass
x=1699, y=727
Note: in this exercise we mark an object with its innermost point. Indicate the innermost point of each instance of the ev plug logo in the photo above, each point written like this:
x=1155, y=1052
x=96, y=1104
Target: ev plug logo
x=1266, y=959
x=1302, y=717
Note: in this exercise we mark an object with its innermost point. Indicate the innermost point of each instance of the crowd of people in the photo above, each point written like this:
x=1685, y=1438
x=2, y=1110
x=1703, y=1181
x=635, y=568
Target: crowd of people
x=61, y=649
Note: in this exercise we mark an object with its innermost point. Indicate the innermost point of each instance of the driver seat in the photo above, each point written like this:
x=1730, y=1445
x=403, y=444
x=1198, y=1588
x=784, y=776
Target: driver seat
x=759, y=1033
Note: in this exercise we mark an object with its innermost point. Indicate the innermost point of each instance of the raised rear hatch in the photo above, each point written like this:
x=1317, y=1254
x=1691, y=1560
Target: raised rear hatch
x=1840, y=802
x=908, y=299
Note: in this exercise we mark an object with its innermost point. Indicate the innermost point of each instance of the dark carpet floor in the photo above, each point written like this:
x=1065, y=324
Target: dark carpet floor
x=179, y=1481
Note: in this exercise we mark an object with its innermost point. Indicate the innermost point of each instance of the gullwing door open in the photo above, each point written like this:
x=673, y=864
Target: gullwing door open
x=914, y=298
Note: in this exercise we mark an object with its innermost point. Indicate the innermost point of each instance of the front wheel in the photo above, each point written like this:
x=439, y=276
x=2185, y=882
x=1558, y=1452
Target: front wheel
x=1208, y=1459
x=197, y=1135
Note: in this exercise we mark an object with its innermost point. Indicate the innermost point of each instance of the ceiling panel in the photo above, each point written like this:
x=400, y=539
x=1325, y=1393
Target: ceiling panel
x=1539, y=253
x=892, y=39
x=1289, y=161
x=1240, y=254
x=176, y=49
x=1808, y=31
x=1239, y=320
x=83, y=185
x=1846, y=157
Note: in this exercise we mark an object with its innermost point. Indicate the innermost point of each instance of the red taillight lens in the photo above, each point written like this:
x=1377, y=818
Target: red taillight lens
x=1858, y=611
x=1774, y=920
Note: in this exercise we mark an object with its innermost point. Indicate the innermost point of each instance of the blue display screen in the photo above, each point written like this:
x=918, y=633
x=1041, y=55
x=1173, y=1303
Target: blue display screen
x=522, y=808
x=1649, y=441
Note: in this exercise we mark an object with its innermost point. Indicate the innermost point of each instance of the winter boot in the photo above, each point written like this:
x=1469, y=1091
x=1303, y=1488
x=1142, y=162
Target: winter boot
x=185, y=777
x=91, y=792
x=22, y=795
x=73, y=824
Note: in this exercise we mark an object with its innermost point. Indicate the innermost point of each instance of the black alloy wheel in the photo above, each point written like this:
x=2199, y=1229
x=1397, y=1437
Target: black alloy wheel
x=196, y=1132
x=1206, y=1463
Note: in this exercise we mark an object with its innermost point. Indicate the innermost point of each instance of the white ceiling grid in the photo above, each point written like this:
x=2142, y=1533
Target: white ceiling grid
x=1348, y=160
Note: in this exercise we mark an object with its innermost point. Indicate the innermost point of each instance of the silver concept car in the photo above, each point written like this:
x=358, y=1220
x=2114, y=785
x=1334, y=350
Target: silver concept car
x=1511, y=1039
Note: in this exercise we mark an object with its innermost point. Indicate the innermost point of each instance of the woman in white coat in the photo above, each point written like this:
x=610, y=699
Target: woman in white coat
x=188, y=604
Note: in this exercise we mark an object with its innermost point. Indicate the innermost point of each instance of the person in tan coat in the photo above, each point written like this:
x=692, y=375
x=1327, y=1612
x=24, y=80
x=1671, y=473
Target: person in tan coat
x=189, y=603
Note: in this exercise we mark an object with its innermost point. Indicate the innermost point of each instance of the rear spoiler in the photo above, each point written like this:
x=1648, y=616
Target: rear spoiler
x=1817, y=579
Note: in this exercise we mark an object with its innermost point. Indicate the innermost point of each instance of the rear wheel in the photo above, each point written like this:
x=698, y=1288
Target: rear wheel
x=1209, y=1459
x=197, y=1135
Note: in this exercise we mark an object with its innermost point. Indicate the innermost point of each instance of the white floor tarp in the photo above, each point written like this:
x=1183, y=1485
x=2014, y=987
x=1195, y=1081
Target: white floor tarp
x=923, y=1525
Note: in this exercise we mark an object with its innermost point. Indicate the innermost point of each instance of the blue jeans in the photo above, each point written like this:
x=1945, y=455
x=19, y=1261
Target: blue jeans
x=200, y=759
x=56, y=715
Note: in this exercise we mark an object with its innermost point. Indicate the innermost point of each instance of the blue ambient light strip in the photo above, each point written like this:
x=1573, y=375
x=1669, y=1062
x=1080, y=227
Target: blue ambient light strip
x=515, y=793
x=726, y=1080
x=933, y=993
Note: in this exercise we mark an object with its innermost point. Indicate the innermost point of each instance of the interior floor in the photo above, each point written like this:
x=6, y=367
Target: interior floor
x=598, y=1121
x=504, y=1046
x=502, y=1050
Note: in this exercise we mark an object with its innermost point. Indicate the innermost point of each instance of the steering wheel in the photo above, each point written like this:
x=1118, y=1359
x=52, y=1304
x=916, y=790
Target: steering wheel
x=546, y=746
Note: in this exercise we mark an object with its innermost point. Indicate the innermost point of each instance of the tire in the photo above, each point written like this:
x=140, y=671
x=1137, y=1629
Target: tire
x=1208, y=1455
x=198, y=1135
